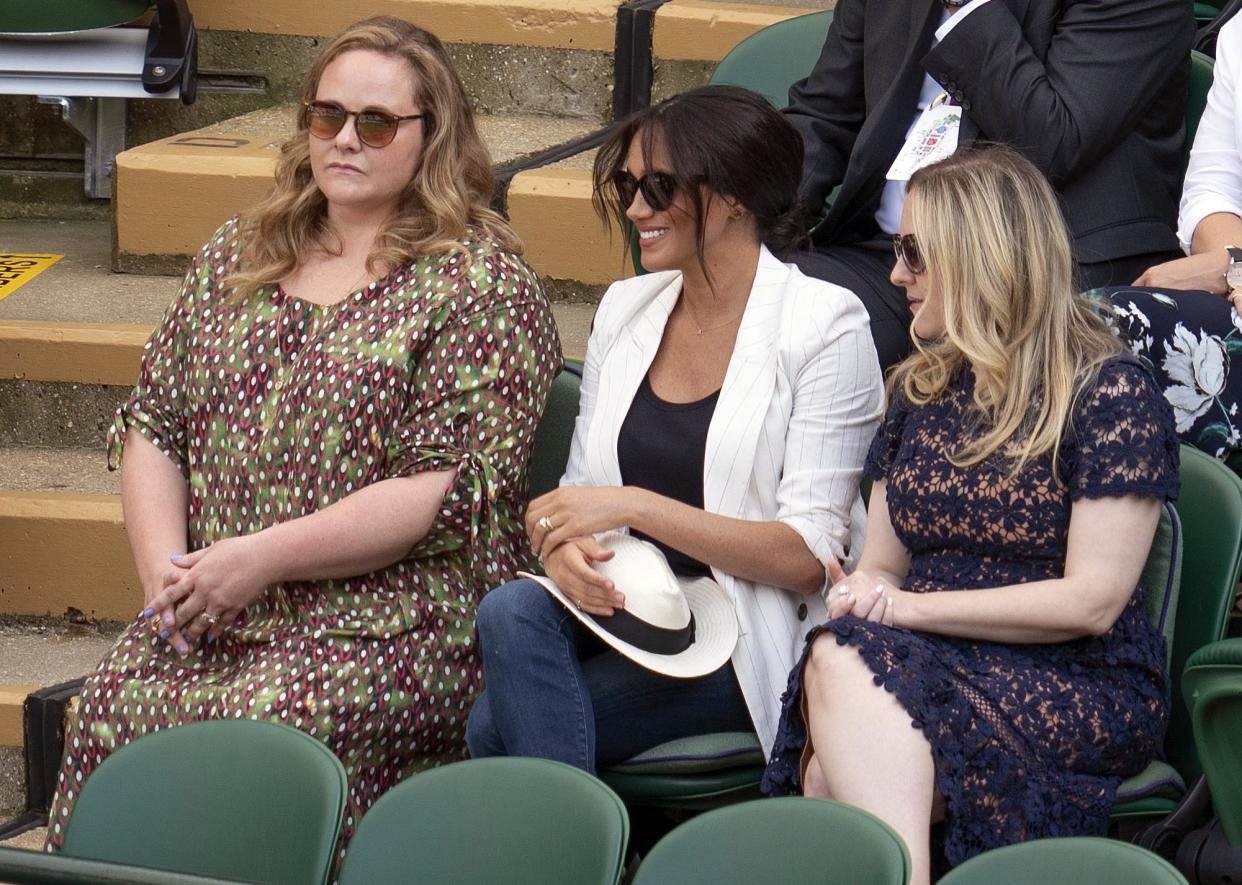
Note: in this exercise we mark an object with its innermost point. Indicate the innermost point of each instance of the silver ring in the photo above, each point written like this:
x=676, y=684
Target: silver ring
x=210, y=618
x=545, y=523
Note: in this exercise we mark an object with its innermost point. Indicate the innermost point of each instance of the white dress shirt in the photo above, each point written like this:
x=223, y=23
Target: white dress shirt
x=1214, y=176
x=800, y=403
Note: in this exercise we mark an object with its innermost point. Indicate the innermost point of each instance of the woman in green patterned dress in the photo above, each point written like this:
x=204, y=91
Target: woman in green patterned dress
x=325, y=453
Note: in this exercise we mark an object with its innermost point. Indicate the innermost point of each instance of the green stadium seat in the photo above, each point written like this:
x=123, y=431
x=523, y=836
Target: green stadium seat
x=1083, y=860
x=508, y=820
x=790, y=841
x=233, y=799
x=1209, y=508
x=42, y=17
x=556, y=432
x=1212, y=686
x=1201, y=67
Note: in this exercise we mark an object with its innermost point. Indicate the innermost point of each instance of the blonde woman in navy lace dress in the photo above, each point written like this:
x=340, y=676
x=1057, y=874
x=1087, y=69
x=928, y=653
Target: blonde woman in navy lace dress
x=1022, y=463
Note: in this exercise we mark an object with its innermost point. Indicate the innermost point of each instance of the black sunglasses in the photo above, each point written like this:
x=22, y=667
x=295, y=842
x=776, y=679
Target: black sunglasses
x=906, y=248
x=375, y=128
x=657, y=188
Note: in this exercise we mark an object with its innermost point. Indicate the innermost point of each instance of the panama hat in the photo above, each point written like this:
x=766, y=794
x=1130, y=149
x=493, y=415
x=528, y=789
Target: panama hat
x=683, y=627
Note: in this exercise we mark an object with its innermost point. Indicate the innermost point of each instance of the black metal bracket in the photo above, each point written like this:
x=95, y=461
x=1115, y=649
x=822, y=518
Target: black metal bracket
x=632, y=58
x=43, y=721
x=172, y=51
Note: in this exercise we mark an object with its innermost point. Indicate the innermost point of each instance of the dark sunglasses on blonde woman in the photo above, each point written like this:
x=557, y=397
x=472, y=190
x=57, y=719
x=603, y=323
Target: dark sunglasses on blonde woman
x=657, y=188
x=375, y=128
x=906, y=248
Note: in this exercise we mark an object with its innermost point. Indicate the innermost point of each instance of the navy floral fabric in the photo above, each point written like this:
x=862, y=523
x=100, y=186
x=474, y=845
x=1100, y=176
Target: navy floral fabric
x=1029, y=741
x=1189, y=341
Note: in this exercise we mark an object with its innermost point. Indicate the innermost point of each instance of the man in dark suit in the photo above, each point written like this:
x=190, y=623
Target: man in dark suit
x=1092, y=91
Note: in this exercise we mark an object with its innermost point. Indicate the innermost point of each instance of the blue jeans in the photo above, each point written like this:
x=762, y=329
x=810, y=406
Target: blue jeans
x=555, y=691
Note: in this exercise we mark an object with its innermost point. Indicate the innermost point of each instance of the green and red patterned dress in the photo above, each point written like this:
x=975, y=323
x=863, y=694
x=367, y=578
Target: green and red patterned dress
x=274, y=408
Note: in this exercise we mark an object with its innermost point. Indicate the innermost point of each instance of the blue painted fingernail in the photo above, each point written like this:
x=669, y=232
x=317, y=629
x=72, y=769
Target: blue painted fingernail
x=169, y=619
x=164, y=634
x=147, y=612
x=176, y=556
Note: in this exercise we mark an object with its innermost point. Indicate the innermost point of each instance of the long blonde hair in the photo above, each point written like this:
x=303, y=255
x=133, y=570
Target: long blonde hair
x=992, y=236
x=449, y=192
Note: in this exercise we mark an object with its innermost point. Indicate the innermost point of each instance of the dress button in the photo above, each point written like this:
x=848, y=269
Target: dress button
x=802, y=612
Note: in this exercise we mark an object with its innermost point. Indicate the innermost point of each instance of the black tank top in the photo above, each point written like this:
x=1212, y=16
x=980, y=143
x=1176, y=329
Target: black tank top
x=661, y=448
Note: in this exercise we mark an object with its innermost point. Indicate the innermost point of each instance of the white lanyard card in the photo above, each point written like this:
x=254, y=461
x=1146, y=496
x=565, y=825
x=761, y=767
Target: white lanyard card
x=933, y=138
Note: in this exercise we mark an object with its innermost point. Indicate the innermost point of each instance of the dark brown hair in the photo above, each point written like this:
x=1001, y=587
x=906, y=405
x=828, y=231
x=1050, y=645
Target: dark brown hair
x=727, y=138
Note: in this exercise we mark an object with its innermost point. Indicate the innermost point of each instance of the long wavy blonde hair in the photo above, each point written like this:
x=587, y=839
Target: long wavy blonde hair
x=993, y=238
x=449, y=192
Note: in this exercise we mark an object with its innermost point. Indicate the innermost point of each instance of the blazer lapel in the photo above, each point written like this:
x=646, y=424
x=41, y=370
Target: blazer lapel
x=746, y=393
x=621, y=374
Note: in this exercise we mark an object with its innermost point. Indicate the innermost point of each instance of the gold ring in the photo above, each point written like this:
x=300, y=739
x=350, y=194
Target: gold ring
x=211, y=619
x=545, y=523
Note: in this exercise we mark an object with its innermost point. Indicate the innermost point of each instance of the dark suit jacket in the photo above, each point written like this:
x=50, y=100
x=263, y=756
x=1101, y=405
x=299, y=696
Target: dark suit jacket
x=1092, y=91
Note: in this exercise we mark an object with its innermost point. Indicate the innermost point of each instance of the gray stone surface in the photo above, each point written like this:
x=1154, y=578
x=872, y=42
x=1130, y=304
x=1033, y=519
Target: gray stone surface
x=12, y=788
x=56, y=415
x=48, y=651
x=47, y=195
x=36, y=469
x=31, y=840
x=672, y=77
x=80, y=288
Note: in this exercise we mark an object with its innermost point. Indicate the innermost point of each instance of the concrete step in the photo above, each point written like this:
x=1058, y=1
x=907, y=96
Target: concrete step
x=215, y=172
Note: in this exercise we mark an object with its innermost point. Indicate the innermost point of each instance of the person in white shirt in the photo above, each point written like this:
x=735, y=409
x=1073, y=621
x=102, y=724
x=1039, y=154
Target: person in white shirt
x=727, y=404
x=1181, y=316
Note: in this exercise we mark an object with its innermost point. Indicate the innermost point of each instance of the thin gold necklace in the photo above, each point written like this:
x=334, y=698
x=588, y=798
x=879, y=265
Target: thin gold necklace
x=701, y=328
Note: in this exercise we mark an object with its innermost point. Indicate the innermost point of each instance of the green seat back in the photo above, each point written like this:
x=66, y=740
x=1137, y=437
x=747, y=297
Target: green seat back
x=1201, y=67
x=1205, y=12
x=1209, y=507
x=1082, y=860
x=771, y=60
x=555, y=433
x=791, y=841
x=1212, y=685
x=42, y=16
x=506, y=820
x=1162, y=575
x=233, y=799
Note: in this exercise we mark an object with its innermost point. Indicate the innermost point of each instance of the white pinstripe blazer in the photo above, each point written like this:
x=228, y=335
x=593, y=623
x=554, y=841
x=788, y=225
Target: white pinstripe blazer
x=801, y=399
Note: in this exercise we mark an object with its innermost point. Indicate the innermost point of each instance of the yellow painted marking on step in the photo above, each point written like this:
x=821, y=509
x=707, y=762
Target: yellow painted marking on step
x=16, y=269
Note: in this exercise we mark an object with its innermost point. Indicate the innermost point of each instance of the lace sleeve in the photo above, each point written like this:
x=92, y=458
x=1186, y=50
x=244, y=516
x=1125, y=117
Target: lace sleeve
x=1124, y=441
x=887, y=439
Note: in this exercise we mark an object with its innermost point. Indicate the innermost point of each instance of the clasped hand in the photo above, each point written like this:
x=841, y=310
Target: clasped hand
x=205, y=591
x=575, y=512
x=561, y=526
x=862, y=595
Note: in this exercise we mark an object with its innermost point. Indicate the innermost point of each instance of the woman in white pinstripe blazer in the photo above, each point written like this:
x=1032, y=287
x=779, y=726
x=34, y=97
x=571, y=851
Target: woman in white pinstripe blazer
x=727, y=405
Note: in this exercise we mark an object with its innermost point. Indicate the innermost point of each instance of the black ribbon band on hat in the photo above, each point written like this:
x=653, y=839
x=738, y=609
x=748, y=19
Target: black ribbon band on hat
x=648, y=637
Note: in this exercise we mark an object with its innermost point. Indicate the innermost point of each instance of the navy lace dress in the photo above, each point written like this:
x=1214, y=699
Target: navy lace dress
x=1029, y=741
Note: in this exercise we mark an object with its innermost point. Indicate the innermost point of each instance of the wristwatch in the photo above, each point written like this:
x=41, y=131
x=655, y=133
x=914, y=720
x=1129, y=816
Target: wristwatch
x=1233, y=275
